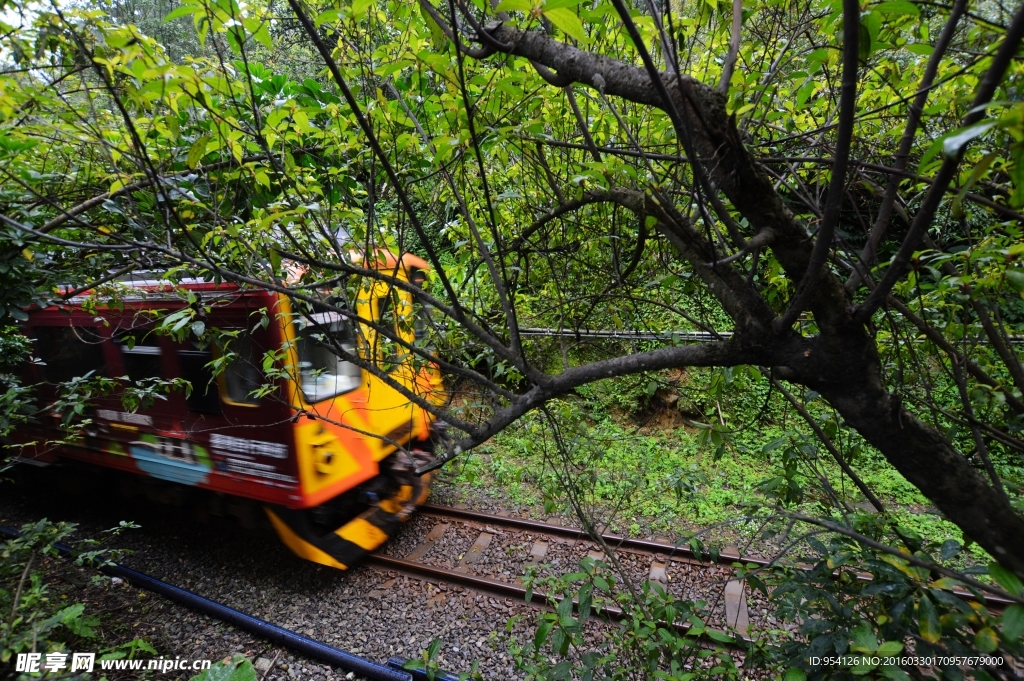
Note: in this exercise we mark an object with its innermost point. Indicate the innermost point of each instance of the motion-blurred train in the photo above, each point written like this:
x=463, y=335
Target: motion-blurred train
x=329, y=449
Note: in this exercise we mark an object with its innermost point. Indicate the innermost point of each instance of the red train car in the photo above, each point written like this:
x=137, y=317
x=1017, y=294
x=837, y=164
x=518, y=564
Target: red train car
x=275, y=414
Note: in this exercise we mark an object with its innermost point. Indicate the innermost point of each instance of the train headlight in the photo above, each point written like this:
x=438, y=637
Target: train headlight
x=323, y=459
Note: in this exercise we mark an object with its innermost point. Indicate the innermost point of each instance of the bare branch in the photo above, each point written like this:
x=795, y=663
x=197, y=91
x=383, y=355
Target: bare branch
x=734, y=46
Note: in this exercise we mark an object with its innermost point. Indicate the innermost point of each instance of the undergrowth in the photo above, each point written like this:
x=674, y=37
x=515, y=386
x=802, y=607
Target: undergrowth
x=695, y=451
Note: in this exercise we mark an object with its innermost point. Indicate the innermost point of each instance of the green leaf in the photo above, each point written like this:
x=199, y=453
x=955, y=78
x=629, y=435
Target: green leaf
x=141, y=644
x=1013, y=622
x=1016, y=171
x=561, y=671
x=567, y=20
x=542, y=634
x=437, y=36
x=894, y=673
x=952, y=144
x=197, y=151
x=864, y=43
x=83, y=626
x=863, y=667
x=360, y=7
x=795, y=675
x=327, y=17
x=1006, y=579
x=262, y=35
x=864, y=640
x=896, y=7
x=515, y=5
x=928, y=621
x=980, y=169
x=13, y=145
x=889, y=648
x=719, y=636
x=70, y=613
x=950, y=547
x=1015, y=278
x=922, y=49
x=182, y=11
x=945, y=583
x=564, y=609
x=986, y=640
x=934, y=149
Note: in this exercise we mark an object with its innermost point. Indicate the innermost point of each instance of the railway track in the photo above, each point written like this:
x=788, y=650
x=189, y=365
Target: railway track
x=531, y=545
x=547, y=549
x=477, y=559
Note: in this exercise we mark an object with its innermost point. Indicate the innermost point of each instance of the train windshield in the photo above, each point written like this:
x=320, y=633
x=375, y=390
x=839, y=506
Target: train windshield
x=322, y=373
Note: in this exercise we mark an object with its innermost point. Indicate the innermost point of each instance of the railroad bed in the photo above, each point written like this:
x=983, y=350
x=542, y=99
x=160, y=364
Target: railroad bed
x=252, y=572
x=378, y=610
x=493, y=553
x=450, y=573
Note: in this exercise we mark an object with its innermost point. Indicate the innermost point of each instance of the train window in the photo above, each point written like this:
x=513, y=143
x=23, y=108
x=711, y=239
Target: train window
x=322, y=374
x=141, y=354
x=70, y=351
x=205, y=395
x=243, y=376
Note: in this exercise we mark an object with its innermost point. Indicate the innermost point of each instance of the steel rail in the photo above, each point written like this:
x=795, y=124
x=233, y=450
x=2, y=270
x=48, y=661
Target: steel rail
x=726, y=559
x=625, y=543
x=510, y=589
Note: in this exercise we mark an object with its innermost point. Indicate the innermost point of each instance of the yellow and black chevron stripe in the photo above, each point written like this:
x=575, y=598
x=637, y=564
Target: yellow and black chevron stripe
x=362, y=535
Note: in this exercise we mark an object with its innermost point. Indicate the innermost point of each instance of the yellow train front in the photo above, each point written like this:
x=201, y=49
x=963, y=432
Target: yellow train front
x=329, y=449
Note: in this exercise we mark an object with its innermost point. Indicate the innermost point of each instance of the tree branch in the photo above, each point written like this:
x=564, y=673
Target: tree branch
x=993, y=77
x=878, y=230
x=837, y=187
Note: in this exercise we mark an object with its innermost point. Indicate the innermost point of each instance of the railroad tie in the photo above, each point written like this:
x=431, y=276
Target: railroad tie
x=659, y=572
x=428, y=542
x=476, y=551
x=736, y=606
x=736, y=615
x=537, y=553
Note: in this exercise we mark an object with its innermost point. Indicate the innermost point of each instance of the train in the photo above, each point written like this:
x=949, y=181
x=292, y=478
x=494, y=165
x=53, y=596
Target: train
x=275, y=418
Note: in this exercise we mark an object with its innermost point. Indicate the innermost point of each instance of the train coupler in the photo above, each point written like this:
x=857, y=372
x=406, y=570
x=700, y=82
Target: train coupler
x=364, y=534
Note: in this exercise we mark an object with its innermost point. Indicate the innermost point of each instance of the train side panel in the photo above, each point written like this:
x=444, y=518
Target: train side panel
x=217, y=438
x=279, y=448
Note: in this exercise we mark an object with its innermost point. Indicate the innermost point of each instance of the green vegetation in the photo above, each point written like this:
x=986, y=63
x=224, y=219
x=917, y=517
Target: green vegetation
x=36, y=594
x=670, y=480
x=829, y=190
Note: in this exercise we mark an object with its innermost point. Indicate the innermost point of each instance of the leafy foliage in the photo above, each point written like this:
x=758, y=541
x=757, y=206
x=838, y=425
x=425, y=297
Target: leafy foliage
x=662, y=637
x=36, y=624
x=829, y=190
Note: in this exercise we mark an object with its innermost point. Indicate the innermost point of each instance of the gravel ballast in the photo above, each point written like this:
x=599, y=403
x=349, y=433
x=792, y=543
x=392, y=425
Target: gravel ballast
x=366, y=611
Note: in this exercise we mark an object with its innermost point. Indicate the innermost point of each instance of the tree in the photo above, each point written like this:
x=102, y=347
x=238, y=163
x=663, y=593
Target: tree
x=652, y=202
